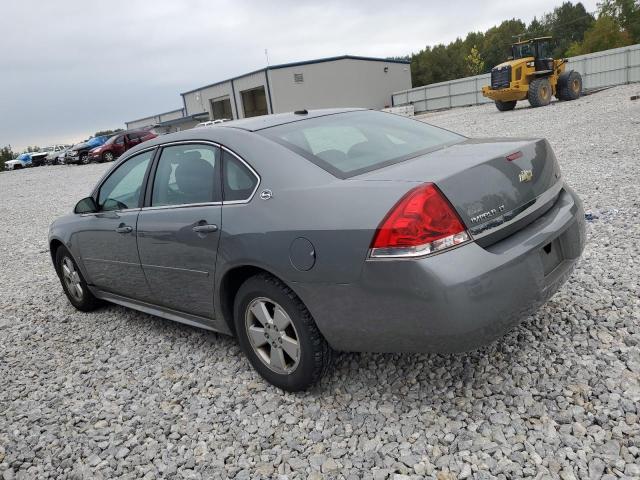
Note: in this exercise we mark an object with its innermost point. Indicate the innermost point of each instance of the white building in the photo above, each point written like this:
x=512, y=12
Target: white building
x=346, y=81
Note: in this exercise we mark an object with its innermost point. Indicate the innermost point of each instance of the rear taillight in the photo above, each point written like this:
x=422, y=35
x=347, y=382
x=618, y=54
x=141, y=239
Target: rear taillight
x=421, y=223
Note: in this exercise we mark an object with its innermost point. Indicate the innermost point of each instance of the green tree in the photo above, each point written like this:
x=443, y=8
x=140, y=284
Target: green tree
x=537, y=29
x=6, y=154
x=605, y=33
x=107, y=132
x=567, y=24
x=497, y=41
x=626, y=13
x=475, y=65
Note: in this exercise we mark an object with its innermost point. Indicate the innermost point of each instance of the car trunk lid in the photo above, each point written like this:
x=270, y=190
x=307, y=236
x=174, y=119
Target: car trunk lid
x=497, y=186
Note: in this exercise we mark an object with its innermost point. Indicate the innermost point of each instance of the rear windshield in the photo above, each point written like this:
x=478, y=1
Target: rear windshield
x=348, y=144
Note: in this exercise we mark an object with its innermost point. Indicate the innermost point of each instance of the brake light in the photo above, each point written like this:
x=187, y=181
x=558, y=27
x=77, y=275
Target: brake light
x=421, y=223
x=514, y=156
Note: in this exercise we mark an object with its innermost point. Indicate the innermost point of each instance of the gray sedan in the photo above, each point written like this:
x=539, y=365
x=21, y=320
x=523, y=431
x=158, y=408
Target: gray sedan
x=309, y=232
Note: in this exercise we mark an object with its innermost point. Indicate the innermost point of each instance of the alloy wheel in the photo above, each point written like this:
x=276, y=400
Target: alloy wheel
x=108, y=156
x=272, y=335
x=71, y=278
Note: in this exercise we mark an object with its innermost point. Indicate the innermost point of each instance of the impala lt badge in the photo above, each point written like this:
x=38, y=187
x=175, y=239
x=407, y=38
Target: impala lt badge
x=525, y=176
x=487, y=214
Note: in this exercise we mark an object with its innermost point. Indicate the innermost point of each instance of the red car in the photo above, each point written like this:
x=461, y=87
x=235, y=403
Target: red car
x=120, y=143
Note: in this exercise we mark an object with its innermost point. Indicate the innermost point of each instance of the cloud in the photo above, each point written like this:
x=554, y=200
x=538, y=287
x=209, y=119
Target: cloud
x=71, y=67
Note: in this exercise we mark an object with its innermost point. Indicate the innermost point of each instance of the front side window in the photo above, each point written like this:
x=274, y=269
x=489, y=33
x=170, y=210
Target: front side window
x=239, y=182
x=119, y=140
x=187, y=174
x=352, y=143
x=123, y=188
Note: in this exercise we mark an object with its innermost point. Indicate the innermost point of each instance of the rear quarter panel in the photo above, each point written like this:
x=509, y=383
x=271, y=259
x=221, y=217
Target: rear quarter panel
x=338, y=217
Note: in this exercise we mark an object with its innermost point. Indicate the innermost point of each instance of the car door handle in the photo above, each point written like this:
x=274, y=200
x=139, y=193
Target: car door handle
x=206, y=228
x=124, y=229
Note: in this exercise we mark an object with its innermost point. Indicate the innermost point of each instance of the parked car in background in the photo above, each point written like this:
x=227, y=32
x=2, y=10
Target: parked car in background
x=38, y=158
x=53, y=152
x=79, y=153
x=21, y=161
x=120, y=143
x=61, y=156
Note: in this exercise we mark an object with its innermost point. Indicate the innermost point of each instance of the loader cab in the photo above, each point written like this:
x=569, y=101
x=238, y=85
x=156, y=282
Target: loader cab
x=538, y=48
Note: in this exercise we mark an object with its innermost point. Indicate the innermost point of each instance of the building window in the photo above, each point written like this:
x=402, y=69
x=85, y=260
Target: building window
x=298, y=78
x=221, y=109
x=254, y=102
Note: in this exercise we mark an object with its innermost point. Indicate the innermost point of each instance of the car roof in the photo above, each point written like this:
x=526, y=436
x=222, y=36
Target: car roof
x=265, y=121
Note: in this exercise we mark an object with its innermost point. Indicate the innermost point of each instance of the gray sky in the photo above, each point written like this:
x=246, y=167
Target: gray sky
x=71, y=67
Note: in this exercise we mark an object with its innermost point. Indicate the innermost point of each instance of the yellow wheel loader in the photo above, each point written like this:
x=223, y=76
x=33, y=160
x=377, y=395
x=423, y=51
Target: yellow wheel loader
x=531, y=73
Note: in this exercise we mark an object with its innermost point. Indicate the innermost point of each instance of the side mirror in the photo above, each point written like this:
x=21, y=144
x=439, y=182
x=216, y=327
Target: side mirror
x=86, y=205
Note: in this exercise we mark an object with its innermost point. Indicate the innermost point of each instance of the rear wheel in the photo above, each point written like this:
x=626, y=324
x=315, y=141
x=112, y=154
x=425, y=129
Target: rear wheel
x=506, y=106
x=278, y=335
x=73, y=283
x=569, y=86
x=540, y=92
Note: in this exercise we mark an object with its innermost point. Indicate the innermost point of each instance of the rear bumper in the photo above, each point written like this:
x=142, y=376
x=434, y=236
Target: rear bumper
x=455, y=301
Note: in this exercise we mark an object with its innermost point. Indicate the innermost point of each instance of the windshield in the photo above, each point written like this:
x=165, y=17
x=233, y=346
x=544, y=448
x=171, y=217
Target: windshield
x=523, y=50
x=352, y=143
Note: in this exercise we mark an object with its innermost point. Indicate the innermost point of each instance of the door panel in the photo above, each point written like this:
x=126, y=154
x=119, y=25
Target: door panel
x=108, y=240
x=111, y=257
x=178, y=233
x=179, y=262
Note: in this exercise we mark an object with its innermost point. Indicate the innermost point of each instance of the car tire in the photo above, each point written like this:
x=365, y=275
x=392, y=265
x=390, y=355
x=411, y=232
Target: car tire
x=540, y=92
x=60, y=161
x=506, y=106
x=84, y=159
x=108, y=157
x=569, y=86
x=278, y=334
x=73, y=283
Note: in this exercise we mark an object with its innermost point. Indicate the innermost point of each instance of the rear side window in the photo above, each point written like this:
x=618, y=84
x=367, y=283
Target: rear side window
x=239, y=182
x=348, y=144
x=187, y=174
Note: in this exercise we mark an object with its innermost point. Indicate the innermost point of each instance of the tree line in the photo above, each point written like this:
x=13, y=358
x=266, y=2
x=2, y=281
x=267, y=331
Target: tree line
x=575, y=31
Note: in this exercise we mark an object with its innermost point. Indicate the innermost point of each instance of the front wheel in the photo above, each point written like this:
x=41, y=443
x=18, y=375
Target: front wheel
x=540, y=92
x=84, y=159
x=278, y=335
x=506, y=106
x=73, y=283
x=107, y=157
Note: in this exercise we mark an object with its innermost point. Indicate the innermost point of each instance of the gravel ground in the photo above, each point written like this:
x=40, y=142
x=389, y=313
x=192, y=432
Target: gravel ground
x=117, y=393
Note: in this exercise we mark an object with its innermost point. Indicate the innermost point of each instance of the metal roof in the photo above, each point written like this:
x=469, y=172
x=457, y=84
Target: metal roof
x=178, y=121
x=296, y=64
x=156, y=115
